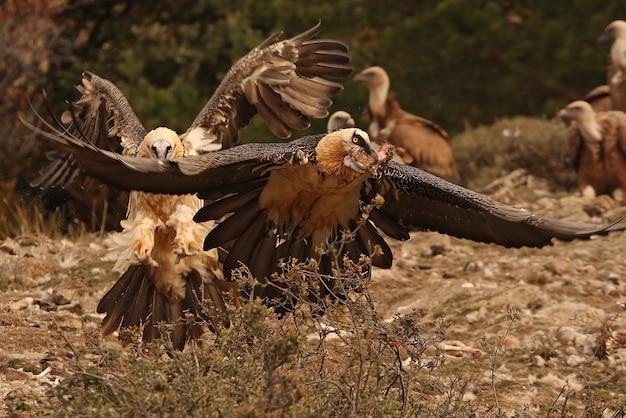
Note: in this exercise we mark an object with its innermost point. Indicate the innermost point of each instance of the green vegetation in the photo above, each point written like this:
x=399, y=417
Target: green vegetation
x=459, y=63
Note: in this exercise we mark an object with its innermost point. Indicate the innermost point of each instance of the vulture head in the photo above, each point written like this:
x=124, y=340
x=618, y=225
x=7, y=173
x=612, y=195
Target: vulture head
x=374, y=78
x=579, y=111
x=349, y=153
x=161, y=143
x=614, y=30
x=339, y=120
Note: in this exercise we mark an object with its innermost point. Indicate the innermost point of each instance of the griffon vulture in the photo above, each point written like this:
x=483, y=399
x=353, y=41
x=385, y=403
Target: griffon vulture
x=166, y=273
x=281, y=201
x=339, y=120
x=597, y=145
x=420, y=142
x=616, y=72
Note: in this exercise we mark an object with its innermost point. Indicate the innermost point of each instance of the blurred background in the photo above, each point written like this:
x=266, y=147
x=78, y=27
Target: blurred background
x=463, y=64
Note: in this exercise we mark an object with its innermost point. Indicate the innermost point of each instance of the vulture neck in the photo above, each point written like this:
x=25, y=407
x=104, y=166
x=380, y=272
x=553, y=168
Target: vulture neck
x=590, y=129
x=618, y=52
x=378, y=96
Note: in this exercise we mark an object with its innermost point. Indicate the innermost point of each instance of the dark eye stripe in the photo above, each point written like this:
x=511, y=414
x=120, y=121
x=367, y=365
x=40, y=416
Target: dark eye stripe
x=361, y=142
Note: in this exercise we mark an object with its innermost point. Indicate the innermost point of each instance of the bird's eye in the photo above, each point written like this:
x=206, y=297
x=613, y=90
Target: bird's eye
x=356, y=139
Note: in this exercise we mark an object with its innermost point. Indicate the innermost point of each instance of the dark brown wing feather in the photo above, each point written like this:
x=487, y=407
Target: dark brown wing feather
x=102, y=116
x=599, y=98
x=413, y=198
x=281, y=80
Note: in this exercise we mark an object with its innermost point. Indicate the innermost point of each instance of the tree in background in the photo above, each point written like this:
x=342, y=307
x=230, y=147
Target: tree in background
x=458, y=63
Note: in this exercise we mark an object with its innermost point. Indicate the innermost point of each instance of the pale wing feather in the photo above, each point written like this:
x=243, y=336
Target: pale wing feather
x=269, y=80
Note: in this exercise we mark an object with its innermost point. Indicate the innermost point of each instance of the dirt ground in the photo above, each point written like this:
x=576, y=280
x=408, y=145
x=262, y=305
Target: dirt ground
x=569, y=339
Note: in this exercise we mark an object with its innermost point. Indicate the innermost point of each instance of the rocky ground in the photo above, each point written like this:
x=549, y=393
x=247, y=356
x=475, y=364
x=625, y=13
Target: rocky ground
x=533, y=328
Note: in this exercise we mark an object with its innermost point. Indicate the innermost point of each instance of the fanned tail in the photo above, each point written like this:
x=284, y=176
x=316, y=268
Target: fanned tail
x=134, y=301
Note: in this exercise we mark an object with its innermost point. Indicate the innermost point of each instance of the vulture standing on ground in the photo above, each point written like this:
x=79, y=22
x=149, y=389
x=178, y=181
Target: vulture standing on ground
x=597, y=149
x=420, y=142
x=283, y=201
x=616, y=72
x=165, y=272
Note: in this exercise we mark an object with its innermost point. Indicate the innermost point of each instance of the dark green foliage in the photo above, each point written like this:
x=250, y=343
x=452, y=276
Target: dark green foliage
x=458, y=63
x=451, y=61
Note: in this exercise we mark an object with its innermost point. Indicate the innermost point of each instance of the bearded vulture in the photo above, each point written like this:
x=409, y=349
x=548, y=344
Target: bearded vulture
x=283, y=201
x=597, y=149
x=616, y=72
x=420, y=142
x=165, y=272
x=339, y=120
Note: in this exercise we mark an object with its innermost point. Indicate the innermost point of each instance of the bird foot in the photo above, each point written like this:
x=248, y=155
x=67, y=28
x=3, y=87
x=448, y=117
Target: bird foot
x=185, y=248
x=141, y=255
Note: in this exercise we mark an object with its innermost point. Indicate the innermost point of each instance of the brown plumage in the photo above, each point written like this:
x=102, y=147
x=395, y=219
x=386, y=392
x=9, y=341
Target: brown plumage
x=420, y=142
x=281, y=201
x=615, y=32
x=599, y=98
x=165, y=271
x=597, y=144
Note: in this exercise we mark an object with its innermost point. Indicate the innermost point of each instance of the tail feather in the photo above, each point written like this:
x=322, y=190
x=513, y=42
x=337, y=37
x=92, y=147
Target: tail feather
x=138, y=304
x=133, y=301
x=120, y=298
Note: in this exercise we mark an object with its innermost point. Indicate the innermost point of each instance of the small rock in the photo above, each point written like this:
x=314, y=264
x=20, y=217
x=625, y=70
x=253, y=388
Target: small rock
x=476, y=315
x=12, y=374
x=437, y=249
x=559, y=267
x=474, y=266
x=9, y=246
x=575, y=360
x=28, y=241
x=22, y=304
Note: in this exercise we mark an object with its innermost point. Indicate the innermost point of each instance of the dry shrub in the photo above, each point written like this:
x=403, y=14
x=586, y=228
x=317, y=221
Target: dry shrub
x=486, y=153
x=349, y=362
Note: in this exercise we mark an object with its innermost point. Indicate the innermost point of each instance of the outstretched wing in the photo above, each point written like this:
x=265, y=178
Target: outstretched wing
x=101, y=116
x=214, y=174
x=413, y=198
x=282, y=81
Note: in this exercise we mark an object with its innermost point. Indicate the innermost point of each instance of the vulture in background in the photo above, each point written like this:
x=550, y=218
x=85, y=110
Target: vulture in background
x=339, y=120
x=284, y=201
x=419, y=142
x=597, y=149
x=599, y=98
x=616, y=72
x=166, y=273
